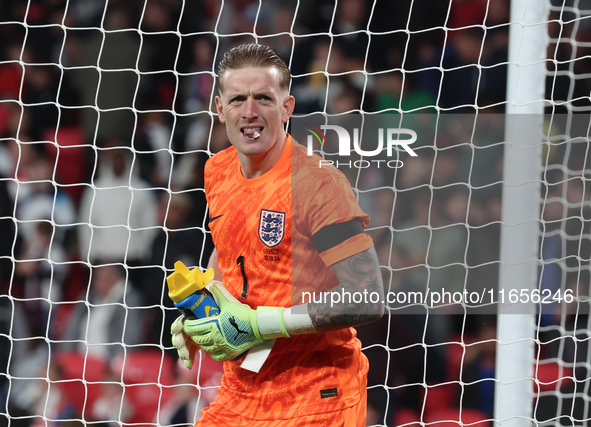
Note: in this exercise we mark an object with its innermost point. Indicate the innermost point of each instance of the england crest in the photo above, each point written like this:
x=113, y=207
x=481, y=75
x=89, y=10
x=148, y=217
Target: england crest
x=271, y=227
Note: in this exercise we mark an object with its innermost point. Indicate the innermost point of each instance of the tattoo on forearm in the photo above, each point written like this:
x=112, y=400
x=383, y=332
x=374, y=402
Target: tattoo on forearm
x=360, y=273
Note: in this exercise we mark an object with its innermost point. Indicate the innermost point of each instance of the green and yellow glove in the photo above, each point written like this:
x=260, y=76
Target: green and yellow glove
x=236, y=329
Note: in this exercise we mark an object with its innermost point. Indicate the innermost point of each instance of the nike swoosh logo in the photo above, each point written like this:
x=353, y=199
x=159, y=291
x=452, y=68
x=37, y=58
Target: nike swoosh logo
x=214, y=218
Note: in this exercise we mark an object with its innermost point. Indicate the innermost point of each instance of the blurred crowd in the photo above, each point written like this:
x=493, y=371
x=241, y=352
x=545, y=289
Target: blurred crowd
x=105, y=126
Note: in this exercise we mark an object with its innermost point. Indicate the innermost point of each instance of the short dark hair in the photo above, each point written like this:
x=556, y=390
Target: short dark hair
x=256, y=56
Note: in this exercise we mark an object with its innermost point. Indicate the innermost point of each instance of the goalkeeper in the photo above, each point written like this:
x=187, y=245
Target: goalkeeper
x=280, y=225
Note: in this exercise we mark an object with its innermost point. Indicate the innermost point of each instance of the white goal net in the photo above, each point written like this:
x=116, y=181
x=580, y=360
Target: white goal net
x=107, y=118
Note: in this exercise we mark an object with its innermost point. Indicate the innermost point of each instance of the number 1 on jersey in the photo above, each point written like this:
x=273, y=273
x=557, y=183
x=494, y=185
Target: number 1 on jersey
x=240, y=262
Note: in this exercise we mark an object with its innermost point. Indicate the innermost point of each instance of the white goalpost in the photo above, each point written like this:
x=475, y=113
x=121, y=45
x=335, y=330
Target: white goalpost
x=481, y=222
x=521, y=212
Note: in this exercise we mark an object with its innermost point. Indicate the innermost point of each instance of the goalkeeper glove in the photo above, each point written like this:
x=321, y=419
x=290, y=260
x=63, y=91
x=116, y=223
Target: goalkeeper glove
x=184, y=345
x=236, y=329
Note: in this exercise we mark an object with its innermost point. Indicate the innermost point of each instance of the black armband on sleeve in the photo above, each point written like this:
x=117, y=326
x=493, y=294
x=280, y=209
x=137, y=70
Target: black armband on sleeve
x=334, y=234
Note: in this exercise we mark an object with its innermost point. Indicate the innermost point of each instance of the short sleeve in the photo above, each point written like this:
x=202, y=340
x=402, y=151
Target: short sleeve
x=332, y=201
x=324, y=200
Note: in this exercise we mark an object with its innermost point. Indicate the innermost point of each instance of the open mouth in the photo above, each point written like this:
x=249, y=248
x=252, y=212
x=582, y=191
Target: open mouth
x=251, y=132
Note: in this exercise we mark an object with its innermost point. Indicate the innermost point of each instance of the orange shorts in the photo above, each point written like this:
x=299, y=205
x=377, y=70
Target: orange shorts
x=216, y=415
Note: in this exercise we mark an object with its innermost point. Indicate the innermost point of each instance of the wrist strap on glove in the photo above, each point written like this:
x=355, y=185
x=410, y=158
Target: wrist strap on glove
x=269, y=322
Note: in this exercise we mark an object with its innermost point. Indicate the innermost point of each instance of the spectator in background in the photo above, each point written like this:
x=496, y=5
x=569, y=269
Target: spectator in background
x=19, y=153
x=111, y=406
x=197, y=91
x=116, y=52
x=113, y=319
x=428, y=58
x=495, y=55
x=39, y=199
x=434, y=242
x=446, y=167
x=188, y=170
x=8, y=236
x=478, y=375
x=461, y=79
x=11, y=73
x=185, y=406
x=176, y=241
x=153, y=142
x=187, y=402
x=119, y=231
x=36, y=393
x=8, y=240
x=449, y=241
x=351, y=20
x=193, y=185
x=43, y=271
x=198, y=86
x=412, y=236
x=552, y=242
x=42, y=86
x=346, y=100
x=159, y=53
x=281, y=23
x=10, y=116
x=484, y=219
x=327, y=57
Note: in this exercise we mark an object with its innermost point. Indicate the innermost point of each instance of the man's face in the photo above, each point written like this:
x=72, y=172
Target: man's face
x=252, y=102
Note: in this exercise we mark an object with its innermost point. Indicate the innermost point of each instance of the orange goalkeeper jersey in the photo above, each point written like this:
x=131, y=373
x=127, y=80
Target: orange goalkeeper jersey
x=262, y=229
